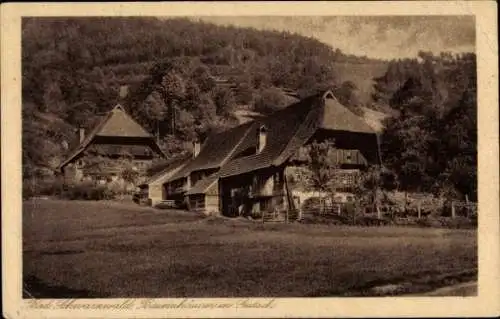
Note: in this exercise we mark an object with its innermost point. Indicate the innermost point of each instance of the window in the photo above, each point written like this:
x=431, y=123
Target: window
x=79, y=163
x=348, y=156
x=277, y=178
x=348, y=178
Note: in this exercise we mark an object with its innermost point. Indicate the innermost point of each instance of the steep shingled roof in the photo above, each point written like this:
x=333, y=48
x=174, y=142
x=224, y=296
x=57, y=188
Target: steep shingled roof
x=339, y=118
x=119, y=123
x=116, y=123
x=203, y=185
x=287, y=129
x=215, y=151
x=281, y=126
x=290, y=128
x=170, y=167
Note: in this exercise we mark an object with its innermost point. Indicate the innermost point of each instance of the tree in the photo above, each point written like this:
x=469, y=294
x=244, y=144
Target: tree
x=322, y=174
x=371, y=186
x=172, y=88
x=224, y=101
x=270, y=100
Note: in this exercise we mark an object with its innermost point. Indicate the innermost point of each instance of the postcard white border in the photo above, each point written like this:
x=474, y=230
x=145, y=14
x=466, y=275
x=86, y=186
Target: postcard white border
x=487, y=302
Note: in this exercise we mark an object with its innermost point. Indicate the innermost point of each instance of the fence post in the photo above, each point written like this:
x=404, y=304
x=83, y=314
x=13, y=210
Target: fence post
x=467, y=205
x=418, y=209
x=452, y=209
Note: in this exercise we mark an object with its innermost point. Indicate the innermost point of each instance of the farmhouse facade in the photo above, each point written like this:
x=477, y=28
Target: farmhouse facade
x=154, y=188
x=101, y=154
x=257, y=166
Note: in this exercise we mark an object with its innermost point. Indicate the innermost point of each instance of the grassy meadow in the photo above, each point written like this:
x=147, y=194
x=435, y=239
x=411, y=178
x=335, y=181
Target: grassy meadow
x=107, y=249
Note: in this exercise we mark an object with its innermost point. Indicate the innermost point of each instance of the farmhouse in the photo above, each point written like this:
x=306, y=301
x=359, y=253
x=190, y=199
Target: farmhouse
x=101, y=154
x=154, y=188
x=257, y=166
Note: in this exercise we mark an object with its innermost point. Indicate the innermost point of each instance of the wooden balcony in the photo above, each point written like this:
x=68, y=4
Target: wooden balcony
x=177, y=190
x=266, y=193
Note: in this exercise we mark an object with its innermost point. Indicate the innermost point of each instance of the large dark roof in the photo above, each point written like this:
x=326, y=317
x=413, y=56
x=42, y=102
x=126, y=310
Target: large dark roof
x=120, y=123
x=281, y=127
x=215, y=151
x=339, y=118
x=287, y=129
x=168, y=166
x=290, y=128
x=203, y=185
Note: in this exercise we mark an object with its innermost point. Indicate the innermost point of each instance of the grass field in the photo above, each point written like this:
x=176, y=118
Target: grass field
x=99, y=249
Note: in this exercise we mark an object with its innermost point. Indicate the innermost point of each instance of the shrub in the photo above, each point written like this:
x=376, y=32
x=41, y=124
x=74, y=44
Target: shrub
x=371, y=221
x=88, y=191
x=429, y=222
x=330, y=220
x=28, y=191
x=446, y=222
x=458, y=222
x=256, y=215
x=51, y=187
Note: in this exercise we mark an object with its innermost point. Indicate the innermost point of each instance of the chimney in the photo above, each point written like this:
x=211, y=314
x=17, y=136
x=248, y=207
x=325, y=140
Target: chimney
x=262, y=139
x=123, y=91
x=196, y=147
x=81, y=131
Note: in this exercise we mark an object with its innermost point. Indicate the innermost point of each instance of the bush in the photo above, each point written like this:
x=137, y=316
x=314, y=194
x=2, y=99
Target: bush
x=52, y=187
x=28, y=191
x=329, y=220
x=447, y=222
x=88, y=191
x=370, y=221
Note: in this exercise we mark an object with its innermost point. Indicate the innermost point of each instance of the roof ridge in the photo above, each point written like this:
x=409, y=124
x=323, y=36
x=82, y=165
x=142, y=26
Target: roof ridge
x=119, y=107
x=302, y=125
x=86, y=141
x=360, y=119
x=230, y=154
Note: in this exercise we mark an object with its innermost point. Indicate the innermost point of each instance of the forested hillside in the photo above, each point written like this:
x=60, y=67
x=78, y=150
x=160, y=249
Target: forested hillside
x=174, y=76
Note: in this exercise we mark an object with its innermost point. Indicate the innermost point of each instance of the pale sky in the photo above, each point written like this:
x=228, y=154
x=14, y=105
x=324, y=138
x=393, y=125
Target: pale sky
x=384, y=37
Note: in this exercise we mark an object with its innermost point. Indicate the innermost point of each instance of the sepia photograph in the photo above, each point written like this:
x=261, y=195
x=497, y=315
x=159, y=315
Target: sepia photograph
x=248, y=156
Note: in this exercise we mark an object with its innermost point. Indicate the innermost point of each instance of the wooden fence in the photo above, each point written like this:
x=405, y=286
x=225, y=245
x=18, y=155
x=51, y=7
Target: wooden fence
x=280, y=216
x=417, y=210
x=465, y=209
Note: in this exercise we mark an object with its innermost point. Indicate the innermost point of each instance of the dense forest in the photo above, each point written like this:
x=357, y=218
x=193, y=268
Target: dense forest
x=182, y=79
x=432, y=144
